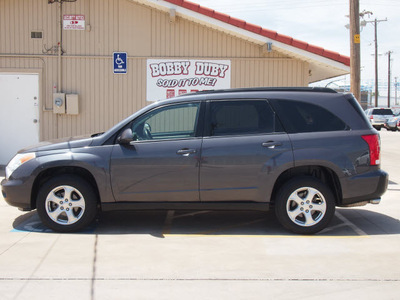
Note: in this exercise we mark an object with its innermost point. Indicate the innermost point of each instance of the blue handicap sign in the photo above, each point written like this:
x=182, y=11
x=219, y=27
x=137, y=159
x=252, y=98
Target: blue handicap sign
x=120, y=62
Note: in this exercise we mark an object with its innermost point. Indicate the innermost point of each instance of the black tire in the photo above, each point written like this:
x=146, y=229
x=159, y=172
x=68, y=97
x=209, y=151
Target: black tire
x=311, y=212
x=66, y=213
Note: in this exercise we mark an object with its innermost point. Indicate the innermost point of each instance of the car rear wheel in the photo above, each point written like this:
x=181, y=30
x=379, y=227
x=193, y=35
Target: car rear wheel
x=304, y=205
x=66, y=203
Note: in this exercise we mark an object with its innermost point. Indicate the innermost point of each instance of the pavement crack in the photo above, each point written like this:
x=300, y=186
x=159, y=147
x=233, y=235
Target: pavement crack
x=206, y=279
x=12, y=245
x=30, y=278
x=93, y=280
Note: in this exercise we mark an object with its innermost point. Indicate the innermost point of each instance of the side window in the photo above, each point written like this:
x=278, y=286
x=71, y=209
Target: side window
x=168, y=122
x=241, y=117
x=299, y=116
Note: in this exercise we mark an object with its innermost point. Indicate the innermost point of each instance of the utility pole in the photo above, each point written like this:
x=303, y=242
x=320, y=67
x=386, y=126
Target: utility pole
x=375, y=23
x=395, y=91
x=376, y=62
x=355, y=85
x=388, y=53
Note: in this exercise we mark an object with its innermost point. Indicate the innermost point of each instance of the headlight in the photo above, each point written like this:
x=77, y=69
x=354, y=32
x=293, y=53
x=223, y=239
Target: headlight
x=17, y=161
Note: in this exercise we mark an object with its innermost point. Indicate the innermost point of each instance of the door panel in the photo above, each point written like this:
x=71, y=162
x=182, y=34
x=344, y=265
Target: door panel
x=162, y=163
x=242, y=169
x=156, y=171
x=243, y=152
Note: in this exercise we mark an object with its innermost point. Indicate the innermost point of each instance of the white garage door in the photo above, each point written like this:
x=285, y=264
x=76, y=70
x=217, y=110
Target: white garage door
x=19, y=113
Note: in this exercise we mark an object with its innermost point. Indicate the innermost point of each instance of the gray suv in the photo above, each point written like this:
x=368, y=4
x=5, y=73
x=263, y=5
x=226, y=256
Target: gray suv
x=300, y=151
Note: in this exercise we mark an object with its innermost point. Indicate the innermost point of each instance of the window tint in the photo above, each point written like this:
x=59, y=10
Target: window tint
x=169, y=122
x=305, y=117
x=242, y=117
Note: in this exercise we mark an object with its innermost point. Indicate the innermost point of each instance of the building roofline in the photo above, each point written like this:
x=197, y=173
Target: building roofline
x=270, y=34
x=266, y=89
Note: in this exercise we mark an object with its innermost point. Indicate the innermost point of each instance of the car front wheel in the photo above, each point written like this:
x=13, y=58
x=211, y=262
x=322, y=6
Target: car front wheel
x=304, y=205
x=66, y=203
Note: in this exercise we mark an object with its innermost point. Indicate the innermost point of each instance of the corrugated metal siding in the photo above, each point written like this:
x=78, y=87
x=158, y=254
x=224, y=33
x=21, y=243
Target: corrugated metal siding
x=121, y=25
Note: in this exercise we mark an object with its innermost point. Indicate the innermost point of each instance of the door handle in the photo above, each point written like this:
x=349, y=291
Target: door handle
x=271, y=144
x=186, y=151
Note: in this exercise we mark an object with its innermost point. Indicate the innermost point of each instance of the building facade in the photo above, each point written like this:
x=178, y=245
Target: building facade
x=69, y=47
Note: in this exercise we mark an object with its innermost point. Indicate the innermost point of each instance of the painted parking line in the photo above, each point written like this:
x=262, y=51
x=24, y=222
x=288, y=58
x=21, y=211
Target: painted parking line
x=217, y=231
x=269, y=236
x=171, y=216
x=33, y=224
x=221, y=229
x=393, y=186
x=356, y=229
x=168, y=222
x=193, y=214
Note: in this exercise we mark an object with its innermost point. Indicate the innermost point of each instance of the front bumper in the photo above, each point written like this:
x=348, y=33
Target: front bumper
x=17, y=193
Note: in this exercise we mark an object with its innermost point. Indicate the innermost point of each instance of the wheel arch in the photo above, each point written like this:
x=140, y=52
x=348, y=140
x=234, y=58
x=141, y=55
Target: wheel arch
x=324, y=174
x=56, y=171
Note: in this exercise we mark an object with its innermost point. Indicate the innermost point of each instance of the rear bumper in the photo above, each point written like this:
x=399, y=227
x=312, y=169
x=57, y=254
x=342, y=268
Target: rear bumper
x=378, y=123
x=364, y=187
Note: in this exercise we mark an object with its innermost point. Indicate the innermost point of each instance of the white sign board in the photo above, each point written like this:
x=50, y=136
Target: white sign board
x=167, y=78
x=74, y=22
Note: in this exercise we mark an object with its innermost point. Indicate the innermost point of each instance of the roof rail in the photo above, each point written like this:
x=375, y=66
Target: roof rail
x=269, y=89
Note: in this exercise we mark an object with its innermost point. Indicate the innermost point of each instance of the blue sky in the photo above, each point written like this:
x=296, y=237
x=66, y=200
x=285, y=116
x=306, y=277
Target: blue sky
x=322, y=23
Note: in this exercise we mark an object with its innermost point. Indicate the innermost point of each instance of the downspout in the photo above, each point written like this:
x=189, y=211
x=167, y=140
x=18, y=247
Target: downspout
x=59, y=43
x=59, y=62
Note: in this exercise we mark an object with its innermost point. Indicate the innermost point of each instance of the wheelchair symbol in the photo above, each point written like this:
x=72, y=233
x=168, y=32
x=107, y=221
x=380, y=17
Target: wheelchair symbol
x=119, y=62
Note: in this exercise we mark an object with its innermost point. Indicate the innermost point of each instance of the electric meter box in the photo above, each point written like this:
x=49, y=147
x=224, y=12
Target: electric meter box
x=59, y=103
x=72, y=103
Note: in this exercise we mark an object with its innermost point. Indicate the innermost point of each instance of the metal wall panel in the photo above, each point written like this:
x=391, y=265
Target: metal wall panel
x=120, y=25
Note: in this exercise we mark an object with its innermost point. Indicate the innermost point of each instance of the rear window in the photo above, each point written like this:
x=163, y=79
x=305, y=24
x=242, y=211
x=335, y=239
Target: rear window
x=299, y=116
x=382, y=112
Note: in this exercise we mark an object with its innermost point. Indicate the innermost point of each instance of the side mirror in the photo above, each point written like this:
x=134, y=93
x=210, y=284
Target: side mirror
x=126, y=137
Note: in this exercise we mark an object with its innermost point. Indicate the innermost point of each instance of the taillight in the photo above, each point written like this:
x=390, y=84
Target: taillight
x=371, y=117
x=374, y=148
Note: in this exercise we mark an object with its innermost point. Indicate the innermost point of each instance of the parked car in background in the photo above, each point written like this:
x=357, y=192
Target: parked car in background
x=379, y=116
x=393, y=123
x=299, y=151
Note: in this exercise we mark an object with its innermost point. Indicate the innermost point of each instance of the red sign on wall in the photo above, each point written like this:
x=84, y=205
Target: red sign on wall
x=74, y=22
x=167, y=78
